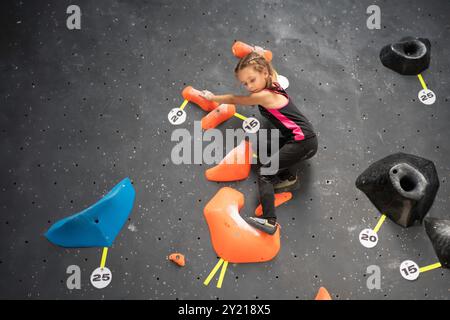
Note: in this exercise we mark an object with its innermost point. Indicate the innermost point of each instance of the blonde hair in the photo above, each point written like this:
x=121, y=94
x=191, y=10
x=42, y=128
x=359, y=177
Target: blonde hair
x=258, y=63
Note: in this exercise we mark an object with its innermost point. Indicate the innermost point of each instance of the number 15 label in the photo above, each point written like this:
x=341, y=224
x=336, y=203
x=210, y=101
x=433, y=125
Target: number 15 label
x=409, y=270
x=251, y=125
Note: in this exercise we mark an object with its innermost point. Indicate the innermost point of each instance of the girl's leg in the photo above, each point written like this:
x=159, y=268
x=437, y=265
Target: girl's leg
x=266, y=182
x=290, y=154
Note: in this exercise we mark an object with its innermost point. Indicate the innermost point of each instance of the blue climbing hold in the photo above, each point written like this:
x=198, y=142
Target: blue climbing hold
x=98, y=225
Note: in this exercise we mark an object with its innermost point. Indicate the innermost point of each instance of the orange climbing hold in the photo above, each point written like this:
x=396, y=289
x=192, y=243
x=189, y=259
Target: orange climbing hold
x=235, y=166
x=323, y=294
x=221, y=114
x=194, y=95
x=233, y=239
x=178, y=258
x=280, y=198
x=241, y=49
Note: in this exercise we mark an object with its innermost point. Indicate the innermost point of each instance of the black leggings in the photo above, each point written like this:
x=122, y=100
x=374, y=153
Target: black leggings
x=290, y=153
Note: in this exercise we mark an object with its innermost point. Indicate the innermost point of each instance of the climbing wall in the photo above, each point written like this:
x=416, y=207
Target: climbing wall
x=83, y=109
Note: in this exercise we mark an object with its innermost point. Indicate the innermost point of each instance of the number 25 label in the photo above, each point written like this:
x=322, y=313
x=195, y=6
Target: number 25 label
x=101, y=278
x=427, y=96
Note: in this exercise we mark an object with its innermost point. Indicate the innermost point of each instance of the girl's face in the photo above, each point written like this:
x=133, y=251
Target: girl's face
x=253, y=80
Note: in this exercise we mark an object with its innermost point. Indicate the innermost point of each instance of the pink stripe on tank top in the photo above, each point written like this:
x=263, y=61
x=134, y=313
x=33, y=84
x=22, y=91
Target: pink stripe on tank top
x=288, y=123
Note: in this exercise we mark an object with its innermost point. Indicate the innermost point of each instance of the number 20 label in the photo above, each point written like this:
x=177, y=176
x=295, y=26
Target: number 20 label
x=176, y=116
x=101, y=278
x=368, y=238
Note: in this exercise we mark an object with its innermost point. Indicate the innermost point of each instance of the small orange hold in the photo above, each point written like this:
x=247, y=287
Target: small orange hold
x=323, y=294
x=221, y=114
x=280, y=198
x=241, y=49
x=178, y=258
x=194, y=95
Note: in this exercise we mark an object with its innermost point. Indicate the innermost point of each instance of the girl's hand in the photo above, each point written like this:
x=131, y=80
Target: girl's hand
x=207, y=94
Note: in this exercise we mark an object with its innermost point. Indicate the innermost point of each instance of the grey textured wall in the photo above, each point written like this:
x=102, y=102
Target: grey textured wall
x=80, y=110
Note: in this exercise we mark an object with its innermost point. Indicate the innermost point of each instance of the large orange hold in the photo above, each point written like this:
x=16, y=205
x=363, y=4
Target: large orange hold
x=235, y=166
x=323, y=294
x=233, y=239
x=194, y=95
x=221, y=114
x=241, y=49
x=280, y=198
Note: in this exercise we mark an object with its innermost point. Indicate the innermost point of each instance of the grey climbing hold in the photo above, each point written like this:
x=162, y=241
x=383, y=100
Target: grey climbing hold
x=438, y=230
x=409, y=56
x=402, y=186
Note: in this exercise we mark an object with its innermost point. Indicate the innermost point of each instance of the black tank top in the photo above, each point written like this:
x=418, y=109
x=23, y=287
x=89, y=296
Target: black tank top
x=291, y=122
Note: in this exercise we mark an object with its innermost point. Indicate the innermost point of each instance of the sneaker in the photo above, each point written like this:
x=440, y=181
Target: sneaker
x=265, y=225
x=289, y=181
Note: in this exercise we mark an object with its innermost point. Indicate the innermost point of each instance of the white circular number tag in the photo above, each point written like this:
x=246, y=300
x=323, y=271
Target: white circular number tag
x=427, y=96
x=176, y=116
x=409, y=270
x=283, y=81
x=101, y=278
x=368, y=238
x=251, y=125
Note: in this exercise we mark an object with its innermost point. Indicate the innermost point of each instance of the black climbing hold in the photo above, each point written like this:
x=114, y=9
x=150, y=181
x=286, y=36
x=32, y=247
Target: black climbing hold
x=438, y=230
x=401, y=186
x=409, y=56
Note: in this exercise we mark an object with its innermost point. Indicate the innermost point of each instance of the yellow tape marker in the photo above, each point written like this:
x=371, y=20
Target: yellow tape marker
x=422, y=82
x=255, y=156
x=213, y=272
x=222, y=274
x=430, y=267
x=185, y=102
x=104, y=254
x=380, y=222
x=240, y=116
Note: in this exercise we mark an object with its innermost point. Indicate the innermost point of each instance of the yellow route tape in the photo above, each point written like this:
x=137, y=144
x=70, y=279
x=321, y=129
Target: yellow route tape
x=104, y=254
x=240, y=116
x=380, y=222
x=213, y=272
x=185, y=102
x=222, y=274
x=422, y=82
x=430, y=267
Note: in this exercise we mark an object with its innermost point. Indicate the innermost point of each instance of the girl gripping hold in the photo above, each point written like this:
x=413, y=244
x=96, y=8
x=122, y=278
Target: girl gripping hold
x=298, y=140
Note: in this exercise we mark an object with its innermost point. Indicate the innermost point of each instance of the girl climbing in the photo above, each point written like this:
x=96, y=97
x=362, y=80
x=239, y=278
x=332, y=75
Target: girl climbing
x=298, y=140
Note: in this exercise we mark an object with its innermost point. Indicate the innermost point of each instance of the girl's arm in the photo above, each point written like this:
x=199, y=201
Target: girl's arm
x=263, y=98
